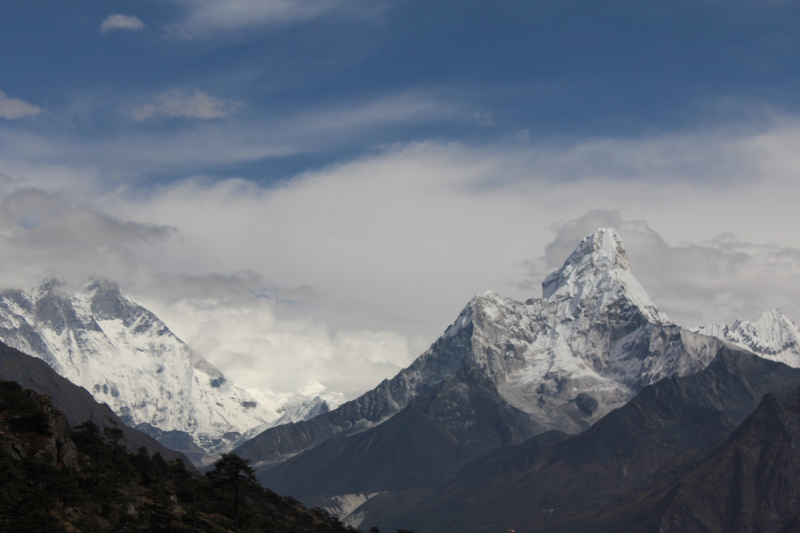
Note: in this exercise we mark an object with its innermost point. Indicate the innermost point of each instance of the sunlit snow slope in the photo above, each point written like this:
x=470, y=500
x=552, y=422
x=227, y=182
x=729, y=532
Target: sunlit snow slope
x=104, y=341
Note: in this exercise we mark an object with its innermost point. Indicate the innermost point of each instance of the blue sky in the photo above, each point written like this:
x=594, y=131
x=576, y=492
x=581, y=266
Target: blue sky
x=369, y=166
x=469, y=71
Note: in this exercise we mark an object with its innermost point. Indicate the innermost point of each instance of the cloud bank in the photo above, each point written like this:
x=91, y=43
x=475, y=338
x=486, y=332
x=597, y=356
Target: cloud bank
x=340, y=276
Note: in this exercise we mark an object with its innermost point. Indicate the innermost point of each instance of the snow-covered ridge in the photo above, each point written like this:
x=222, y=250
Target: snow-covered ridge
x=773, y=336
x=566, y=370
x=105, y=341
x=294, y=413
x=586, y=347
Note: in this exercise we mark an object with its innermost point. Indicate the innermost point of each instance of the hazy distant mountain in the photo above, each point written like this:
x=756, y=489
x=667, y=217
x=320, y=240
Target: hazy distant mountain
x=106, y=342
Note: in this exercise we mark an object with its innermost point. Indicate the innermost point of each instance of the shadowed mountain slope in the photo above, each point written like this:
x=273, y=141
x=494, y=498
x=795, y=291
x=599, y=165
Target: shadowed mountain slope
x=460, y=419
x=750, y=483
x=75, y=402
x=537, y=486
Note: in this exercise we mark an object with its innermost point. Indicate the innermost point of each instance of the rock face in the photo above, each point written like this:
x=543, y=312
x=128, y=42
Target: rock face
x=31, y=428
x=104, y=341
x=502, y=373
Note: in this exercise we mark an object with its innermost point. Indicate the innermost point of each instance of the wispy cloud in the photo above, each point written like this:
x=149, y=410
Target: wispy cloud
x=483, y=118
x=121, y=22
x=192, y=147
x=14, y=108
x=199, y=105
x=204, y=17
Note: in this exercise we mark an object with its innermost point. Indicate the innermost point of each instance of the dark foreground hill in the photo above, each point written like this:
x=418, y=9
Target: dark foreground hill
x=56, y=480
x=75, y=402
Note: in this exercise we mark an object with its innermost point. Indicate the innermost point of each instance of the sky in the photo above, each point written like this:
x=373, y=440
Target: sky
x=309, y=191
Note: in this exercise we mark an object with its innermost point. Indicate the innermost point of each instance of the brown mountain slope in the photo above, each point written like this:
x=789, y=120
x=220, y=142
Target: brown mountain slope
x=749, y=484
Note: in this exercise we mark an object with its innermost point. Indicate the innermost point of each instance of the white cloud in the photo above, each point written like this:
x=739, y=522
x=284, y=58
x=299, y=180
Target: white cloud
x=395, y=242
x=204, y=17
x=14, y=108
x=259, y=350
x=179, y=104
x=43, y=234
x=121, y=22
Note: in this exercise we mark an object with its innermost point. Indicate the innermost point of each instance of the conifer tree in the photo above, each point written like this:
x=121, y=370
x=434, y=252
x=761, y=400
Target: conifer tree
x=231, y=471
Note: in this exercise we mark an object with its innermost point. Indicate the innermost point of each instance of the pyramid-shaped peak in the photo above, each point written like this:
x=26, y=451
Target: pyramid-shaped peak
x=597, y=254
x=772, y=321
x=773, y=316
x=599, y=269
x=771, y=327
x=603, y=248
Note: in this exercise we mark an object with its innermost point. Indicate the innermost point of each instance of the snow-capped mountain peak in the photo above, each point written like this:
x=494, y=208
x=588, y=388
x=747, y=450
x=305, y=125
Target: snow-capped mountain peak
x=773, y=336
x=558, y=362
x=598, y=274
x=105, y=341
x=774, y=323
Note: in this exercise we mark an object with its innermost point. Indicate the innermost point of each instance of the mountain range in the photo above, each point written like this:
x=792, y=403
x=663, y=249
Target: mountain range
x=504, y=372
x=575, y=411
x=559, y=362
